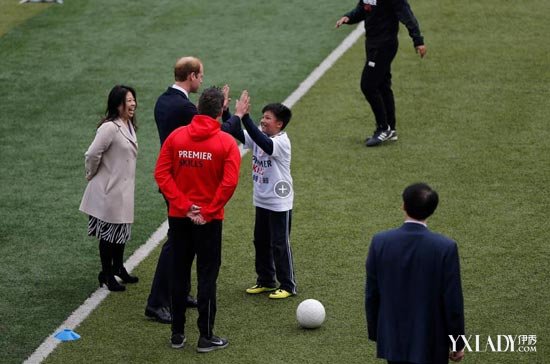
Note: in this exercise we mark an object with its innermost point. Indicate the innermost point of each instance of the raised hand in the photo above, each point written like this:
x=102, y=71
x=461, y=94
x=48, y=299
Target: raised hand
x=226, y=98
x=242, y=105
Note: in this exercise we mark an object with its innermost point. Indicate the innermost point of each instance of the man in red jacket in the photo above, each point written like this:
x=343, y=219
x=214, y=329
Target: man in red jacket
x=197, y=171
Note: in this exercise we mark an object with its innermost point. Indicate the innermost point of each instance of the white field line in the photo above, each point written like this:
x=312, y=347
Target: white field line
x=81, y=313
x=324, y=66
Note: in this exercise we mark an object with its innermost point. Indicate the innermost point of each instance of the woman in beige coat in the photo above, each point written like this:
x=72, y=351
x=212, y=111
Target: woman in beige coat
x=109, y=197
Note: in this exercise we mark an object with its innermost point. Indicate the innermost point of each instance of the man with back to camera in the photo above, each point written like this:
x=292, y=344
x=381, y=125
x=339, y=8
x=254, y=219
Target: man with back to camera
x=172, y=110
x=197, y=171
x=413, y=289
x=382, y=19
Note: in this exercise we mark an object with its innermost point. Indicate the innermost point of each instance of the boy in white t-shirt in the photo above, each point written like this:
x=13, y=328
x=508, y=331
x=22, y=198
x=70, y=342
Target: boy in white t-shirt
x=273, y=195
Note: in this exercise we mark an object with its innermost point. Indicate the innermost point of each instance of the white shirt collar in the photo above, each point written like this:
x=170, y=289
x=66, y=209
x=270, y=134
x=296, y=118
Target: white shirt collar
x=411, y=221
x=181, y=89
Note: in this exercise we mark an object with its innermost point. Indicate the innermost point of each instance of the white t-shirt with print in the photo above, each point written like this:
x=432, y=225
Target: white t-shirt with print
x=271, y=174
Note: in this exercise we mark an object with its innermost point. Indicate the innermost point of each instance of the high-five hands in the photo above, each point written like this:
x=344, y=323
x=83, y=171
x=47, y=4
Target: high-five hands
x=226, y=98
x=242, y=106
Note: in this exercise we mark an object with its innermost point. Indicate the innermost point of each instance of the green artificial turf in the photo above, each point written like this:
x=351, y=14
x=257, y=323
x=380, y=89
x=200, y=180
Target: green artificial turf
x=55, y=73
x=12, y=13
x=471, y=122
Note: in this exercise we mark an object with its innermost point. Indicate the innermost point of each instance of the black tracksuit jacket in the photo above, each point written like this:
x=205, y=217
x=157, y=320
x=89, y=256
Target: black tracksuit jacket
x=382, y=21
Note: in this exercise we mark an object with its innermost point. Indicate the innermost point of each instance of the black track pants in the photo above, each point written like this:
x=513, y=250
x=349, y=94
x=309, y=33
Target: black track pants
x=204, y=241
x=376, y=84
x=273, y=252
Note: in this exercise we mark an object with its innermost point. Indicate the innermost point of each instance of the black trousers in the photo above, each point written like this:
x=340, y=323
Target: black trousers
x=204, y=241
x=376, y=84
x=273, y=252
x=161, y=288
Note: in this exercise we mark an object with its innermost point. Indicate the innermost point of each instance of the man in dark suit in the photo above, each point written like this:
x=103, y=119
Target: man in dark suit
x=413, y=293
x=172, y=110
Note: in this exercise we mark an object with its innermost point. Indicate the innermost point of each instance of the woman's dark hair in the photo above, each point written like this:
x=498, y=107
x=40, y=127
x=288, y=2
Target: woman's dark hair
x=117, y=97
x=420, y=201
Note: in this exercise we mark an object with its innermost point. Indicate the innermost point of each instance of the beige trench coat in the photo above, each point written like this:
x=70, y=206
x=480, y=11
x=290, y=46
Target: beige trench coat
x=110, y=164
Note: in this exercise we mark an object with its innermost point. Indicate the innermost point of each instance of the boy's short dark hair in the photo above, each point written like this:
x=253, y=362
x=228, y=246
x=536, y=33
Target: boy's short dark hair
x=420, y=201
x=211, y=102
x=281, y=112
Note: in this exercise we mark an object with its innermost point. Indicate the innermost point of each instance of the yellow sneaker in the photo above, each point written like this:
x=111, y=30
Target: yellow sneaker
x=280, y=293
x=259, y=289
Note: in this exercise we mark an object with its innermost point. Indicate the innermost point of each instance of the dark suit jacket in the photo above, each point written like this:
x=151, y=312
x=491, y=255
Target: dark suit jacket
x=413, y=294
x=172, y=110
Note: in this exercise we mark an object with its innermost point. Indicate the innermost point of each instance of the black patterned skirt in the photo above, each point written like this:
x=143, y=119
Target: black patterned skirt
x=113, y=233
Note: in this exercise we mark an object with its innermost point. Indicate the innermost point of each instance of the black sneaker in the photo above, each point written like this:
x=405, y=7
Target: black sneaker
x=178, y=341
x=393, y=135
x=379, y=137
x=206, y=345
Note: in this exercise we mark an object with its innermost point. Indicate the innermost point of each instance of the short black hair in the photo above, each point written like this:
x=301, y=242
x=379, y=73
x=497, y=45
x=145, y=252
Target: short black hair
x=211, y=102
x=281, y=112
x=420, y=201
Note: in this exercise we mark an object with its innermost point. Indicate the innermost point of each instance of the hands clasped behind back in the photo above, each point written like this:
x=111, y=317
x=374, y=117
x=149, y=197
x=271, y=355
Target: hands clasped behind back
x=194, y=214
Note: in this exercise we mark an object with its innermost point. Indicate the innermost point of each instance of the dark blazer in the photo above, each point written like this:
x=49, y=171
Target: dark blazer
x=413, y=294
x=172, y=110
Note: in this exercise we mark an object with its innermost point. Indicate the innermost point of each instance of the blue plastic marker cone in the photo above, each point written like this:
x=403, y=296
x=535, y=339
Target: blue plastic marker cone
x=67, y=335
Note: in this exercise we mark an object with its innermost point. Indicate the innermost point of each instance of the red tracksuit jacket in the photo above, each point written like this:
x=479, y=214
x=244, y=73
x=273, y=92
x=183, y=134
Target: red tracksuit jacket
x=198, y=164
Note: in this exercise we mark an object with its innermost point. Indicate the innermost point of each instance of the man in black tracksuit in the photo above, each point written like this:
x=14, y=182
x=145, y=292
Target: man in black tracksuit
x=382, y=19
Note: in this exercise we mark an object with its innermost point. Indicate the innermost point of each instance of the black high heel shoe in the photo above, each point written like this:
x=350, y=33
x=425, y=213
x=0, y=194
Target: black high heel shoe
x=122, y=273
x=110, y=282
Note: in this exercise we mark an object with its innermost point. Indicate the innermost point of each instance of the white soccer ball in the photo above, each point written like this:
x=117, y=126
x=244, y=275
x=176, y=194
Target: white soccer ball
x=310, y=314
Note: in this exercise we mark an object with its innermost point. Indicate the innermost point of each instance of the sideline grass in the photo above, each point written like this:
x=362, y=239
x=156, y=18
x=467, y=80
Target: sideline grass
x=12, y=13
x=55, y=73
x=459, y=122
